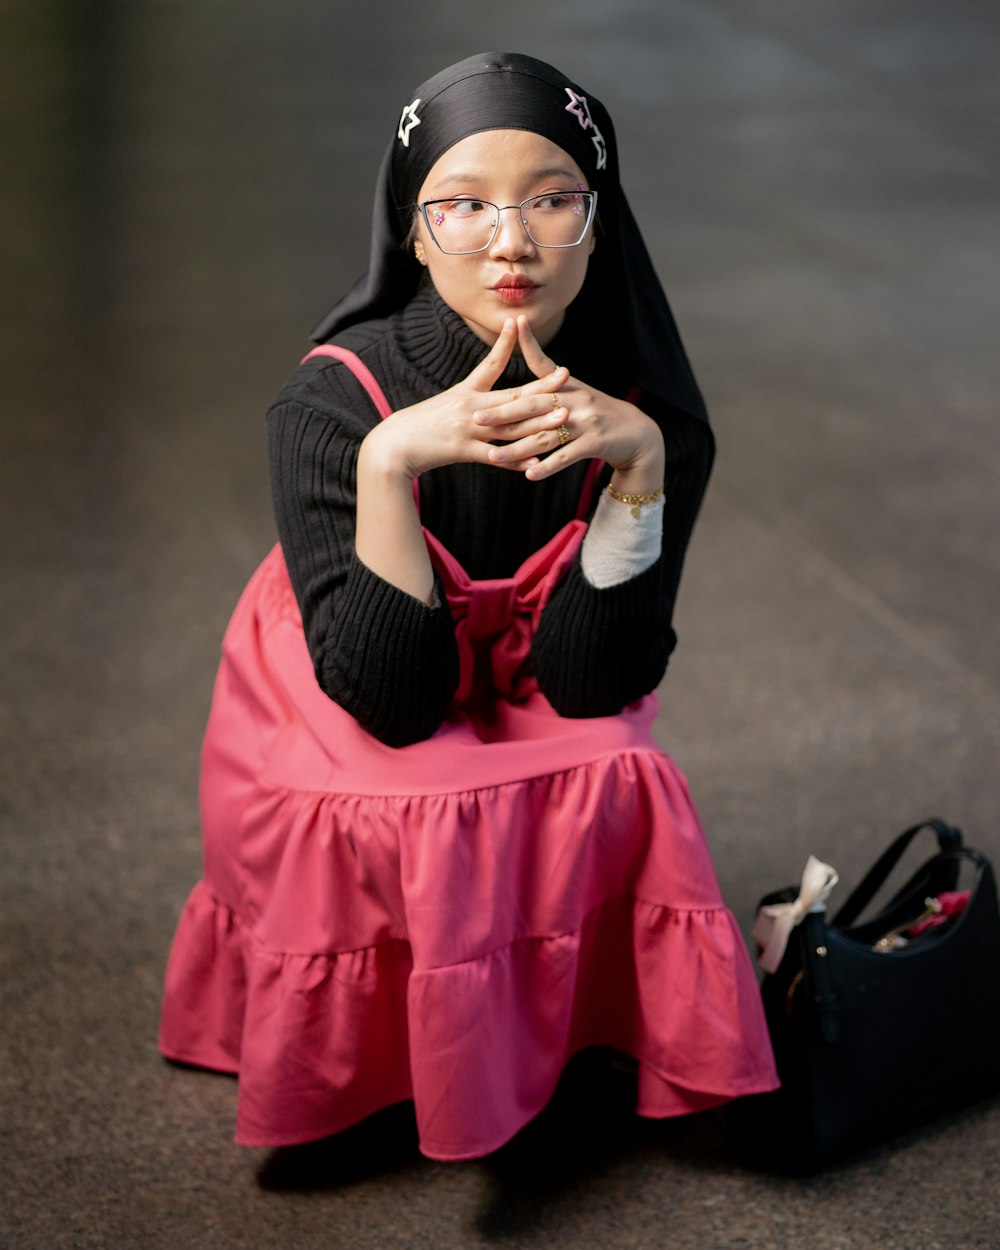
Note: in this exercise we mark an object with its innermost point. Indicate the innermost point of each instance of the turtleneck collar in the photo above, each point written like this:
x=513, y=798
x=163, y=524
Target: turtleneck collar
x=441, y=348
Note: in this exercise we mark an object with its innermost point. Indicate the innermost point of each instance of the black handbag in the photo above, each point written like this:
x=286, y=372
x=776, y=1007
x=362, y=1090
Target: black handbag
x=880, y=1024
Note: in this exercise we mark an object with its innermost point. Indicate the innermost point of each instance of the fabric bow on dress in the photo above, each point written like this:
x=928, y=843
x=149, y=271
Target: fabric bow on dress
x=500, y=616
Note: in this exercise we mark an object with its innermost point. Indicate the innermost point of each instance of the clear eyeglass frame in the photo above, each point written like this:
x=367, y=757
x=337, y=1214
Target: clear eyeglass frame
x=589, y=196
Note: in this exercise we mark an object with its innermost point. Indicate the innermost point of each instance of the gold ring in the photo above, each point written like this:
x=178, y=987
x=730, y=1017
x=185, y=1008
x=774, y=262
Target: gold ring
x=556, y=401
x=563, y=433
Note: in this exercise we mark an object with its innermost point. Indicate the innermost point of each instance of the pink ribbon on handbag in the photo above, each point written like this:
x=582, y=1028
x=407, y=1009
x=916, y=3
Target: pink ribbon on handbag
x=775, y=922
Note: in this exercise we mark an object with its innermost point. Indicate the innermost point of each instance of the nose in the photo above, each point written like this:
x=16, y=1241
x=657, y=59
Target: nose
x=511, y=241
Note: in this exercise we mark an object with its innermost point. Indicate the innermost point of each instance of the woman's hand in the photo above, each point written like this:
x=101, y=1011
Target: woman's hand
x=439, y=431
x=599, y=427
x=444, y=429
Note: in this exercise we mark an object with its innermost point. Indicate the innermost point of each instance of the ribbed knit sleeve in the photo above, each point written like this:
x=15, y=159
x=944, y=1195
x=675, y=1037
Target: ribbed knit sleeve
x=387, y=658
x=597, y=650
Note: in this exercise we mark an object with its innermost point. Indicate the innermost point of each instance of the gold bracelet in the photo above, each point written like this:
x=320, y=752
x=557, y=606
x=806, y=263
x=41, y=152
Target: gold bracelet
x=634, y=501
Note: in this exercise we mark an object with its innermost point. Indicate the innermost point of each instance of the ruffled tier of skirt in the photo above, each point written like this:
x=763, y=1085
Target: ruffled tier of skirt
x=342, y=976
x=322, y=1041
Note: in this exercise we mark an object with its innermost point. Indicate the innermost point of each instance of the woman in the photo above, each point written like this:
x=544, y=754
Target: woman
x=442, y=851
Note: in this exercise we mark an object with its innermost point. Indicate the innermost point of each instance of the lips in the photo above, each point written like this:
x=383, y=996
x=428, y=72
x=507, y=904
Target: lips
x=514, y=287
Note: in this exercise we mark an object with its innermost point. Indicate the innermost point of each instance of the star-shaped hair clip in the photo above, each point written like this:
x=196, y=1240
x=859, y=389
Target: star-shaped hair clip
x=579, y=107
x=407, y=120
x=597, y=139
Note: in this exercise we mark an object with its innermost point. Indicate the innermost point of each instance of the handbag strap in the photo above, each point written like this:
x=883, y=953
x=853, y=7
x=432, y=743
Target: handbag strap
x=826, y=1000
x=949, y=839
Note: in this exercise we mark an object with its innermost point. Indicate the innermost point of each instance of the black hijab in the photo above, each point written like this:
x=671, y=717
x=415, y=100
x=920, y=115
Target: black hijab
x=621, y=309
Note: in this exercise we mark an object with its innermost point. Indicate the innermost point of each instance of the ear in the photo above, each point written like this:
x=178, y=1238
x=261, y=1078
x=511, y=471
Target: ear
x=593, y=244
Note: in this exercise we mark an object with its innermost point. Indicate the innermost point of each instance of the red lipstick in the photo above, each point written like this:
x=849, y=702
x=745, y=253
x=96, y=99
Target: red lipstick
x=514, y=288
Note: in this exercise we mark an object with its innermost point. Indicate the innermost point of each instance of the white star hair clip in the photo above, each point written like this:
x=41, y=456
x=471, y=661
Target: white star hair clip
x=580, y=109
x=407, y=120
x=597, y=139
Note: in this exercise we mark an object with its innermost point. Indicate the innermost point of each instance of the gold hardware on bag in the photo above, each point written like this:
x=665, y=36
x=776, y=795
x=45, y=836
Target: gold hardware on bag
x=894, y=939
x=795, y=983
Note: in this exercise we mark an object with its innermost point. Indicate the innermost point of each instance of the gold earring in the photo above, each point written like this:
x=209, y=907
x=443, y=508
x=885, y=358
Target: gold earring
x=418, y=252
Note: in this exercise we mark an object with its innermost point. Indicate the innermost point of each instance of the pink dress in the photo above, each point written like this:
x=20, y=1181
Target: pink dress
x=448, y=921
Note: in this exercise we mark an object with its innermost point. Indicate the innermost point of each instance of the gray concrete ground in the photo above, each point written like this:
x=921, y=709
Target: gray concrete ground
x=185, y=188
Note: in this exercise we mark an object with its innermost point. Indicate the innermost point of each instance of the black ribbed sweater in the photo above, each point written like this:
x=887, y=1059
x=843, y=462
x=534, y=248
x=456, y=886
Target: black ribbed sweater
x=389, y=659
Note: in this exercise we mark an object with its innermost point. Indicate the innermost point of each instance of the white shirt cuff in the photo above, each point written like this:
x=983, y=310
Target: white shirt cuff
x=618, y=546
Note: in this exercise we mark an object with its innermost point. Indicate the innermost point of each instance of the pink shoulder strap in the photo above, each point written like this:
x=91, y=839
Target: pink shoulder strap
x=587, y=490
x=360, y=371
x=367, y=379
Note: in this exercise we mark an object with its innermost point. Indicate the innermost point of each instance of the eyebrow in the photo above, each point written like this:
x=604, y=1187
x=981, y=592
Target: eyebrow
x=464, y=176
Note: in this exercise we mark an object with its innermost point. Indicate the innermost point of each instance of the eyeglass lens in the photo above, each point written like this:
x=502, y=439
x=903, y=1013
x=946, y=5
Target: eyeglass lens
x=553, y=220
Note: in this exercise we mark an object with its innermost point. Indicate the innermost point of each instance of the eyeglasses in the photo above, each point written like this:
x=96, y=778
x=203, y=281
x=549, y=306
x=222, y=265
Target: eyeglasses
x=556, y=219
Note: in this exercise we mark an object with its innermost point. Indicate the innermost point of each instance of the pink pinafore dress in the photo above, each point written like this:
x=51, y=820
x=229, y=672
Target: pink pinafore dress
x=450, y=921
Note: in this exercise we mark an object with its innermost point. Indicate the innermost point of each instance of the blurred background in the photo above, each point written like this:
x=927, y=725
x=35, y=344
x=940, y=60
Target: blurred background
x=186, y=188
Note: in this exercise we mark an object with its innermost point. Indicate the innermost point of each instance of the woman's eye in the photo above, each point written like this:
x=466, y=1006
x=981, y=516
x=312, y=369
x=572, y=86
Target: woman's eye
x=555, y=201
x=464, y=208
